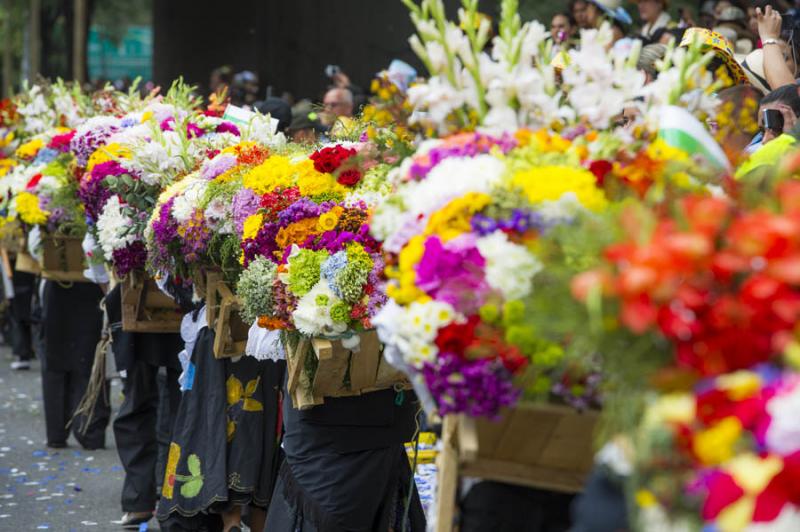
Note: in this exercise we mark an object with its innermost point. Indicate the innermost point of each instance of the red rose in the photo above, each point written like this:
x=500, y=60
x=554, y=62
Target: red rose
x=328, y=160
x=61, y=142
x=349, y=178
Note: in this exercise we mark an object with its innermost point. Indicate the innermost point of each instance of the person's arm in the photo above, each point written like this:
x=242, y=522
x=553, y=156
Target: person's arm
x=775, y=67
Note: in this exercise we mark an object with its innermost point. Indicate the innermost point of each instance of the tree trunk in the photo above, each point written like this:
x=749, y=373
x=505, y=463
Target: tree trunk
x=80, y=20
x=35, y=40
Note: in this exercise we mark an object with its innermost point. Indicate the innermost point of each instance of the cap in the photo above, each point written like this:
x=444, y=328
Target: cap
x=613, y=9
x=753, y=66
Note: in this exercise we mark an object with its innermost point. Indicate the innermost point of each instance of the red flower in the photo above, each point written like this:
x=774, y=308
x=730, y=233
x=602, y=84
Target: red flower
x=349, y=178
x=61, y=142
x=600, y=169
x=329, y=159
x=722, y=492
x=456, y=337
x=33, y=181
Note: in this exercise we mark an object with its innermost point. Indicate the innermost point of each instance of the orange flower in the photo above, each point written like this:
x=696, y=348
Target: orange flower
x=296, y=233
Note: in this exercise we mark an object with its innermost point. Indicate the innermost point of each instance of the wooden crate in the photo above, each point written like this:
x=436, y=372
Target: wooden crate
x=222, y=313
x=339, y=372
x=145, y=308
x=26, y=263
x=537, y=445
x=63, y=259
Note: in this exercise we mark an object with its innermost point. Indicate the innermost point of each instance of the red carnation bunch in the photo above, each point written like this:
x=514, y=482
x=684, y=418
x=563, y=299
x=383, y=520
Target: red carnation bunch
x=330, y=159
x=61, y=142
x=723, y=286
x=474, y=339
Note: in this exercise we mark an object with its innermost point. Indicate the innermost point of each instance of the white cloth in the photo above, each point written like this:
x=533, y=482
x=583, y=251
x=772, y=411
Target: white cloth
x=663, y=20
x=190, y=328
x=96, y=273
x=35, y=243
x=264, y=344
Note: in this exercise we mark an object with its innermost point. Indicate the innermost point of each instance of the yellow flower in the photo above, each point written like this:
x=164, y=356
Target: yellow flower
x=29, y=149
x=550, y=183
x=29, y=210
x=109, y=152
x=715, y=445
x=252, y=225
x=313, y=183
x=661, y=151
x=455, y=218
x=276, y=172
x=6, y=165
x=740, y=385
x=736, y=516
x=147, y=115
x=406, y=291
x=645, y=499
x=551, y=143
x=674, y=408
x=328, y=221
x=752, y=473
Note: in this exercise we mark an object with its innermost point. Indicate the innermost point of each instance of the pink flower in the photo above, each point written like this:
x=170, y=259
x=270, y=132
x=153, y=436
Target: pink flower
x=453, y=273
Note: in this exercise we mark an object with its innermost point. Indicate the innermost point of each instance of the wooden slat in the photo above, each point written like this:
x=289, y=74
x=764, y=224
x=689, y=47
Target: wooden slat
x=447, y=481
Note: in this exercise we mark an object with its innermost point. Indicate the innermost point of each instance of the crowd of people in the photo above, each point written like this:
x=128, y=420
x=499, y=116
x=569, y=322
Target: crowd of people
x=252, y=458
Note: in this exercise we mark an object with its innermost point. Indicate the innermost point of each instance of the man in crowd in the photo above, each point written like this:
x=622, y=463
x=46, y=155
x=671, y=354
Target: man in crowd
x=654, y=17
x=337, y=103
x=578, y=10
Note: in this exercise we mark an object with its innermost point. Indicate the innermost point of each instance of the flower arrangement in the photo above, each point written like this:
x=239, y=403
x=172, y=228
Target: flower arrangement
x=723, y=455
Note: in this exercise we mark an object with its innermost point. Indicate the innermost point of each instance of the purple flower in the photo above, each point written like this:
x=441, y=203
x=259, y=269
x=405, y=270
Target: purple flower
x=93, y=193
x=194, y=131
x=245, y=203
x=228, y=127
x=519, y=222
x=302, y=209
x=218, y=166
x=453, y=273
x=464, y=146
x=132, y=257
x=474, y=387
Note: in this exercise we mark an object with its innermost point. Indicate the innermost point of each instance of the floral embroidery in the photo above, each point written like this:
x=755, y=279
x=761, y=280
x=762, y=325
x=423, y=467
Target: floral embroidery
x=240, y=398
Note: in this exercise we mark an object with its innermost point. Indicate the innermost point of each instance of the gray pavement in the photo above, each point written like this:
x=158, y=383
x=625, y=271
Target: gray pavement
x=51, y=489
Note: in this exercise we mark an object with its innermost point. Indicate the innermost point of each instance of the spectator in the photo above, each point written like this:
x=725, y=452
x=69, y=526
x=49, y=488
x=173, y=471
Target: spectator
x=786, y=100
x=654, y=16
x=278, y=109
x=562, y=29
x=780, y=67
x=723, y=65
x=337, y=103
x=648, y=57
x=732, y=24
x=707, y=16
x=753, y=66
x=244, y=90
x=221, y=77
x=739, y=104
x=305, y=124
x=598, y=11
x=752, y=19
x=577, y=9
x=340, y=80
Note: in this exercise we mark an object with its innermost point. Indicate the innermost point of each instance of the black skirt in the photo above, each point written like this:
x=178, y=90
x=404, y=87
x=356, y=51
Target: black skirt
x=225, y=445
x=346, y=468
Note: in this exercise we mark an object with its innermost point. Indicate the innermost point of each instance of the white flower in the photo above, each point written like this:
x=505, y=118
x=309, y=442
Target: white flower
x=111, y=224
x=314, y=319
x=218, y=216
x=413, y=329
x=510, y=268
x=783, y=434
x=186, y=203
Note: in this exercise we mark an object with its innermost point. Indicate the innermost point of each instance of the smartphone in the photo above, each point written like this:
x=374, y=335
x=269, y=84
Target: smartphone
x=332, y=70
x=772, y=120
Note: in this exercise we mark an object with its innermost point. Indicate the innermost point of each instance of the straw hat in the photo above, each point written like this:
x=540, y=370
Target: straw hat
x=722, y=48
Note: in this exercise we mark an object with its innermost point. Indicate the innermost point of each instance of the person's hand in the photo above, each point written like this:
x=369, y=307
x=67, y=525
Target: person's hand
x=341, y=80
x=769, y=23
x=789, y=120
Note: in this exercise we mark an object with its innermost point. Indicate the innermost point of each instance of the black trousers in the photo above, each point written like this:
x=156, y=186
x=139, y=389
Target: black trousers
x=20, y=314
x=72, y=326
x=63, y=391
x=139, y=433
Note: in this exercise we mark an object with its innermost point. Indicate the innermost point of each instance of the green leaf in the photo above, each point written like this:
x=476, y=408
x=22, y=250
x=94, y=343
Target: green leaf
x=193, y=464
x=192, y=488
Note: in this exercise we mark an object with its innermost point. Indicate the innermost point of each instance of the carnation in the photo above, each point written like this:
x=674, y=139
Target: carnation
x=312, y=317
x=112, y=226
x=510, y=268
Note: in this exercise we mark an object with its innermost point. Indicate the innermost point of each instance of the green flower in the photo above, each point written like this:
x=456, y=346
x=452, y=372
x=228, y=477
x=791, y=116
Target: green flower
x=489, y=313
x=513, y=312
x=340, y=312
x=322, y=300
x=304, y=270
x=255, y=289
